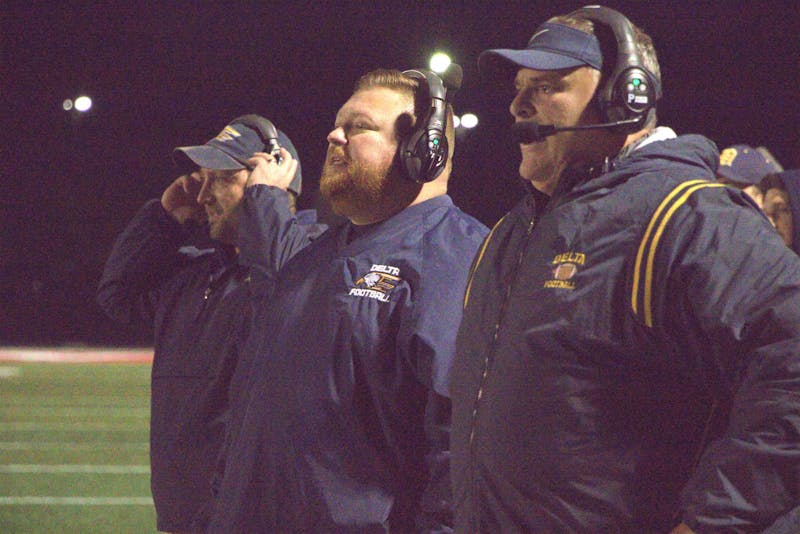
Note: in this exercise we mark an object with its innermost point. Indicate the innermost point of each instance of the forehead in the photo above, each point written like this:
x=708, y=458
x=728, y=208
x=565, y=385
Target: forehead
x=220, y=174
x=377, y=103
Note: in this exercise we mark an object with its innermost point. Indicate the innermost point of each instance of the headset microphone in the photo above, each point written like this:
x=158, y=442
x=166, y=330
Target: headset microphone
x=532, y=132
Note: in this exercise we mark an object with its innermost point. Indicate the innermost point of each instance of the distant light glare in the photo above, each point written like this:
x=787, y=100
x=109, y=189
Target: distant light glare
x=456, y=121
x=83, y=103
x=67, y=104
x=469, y=120
x=439, y=62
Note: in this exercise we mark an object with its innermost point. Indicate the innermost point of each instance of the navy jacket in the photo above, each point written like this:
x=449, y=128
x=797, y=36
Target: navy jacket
x=198, y=303
x=629, y=357
x=346, y=421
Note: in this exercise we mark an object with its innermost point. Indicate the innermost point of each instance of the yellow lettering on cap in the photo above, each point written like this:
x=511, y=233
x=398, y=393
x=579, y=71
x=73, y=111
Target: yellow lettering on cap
x=727, y=156
x=227, y=134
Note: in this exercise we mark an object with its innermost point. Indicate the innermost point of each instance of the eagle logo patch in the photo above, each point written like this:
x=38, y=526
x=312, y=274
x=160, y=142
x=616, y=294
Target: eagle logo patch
x=378, y=283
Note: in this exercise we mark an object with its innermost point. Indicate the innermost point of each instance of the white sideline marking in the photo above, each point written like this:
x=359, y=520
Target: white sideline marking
x=94, y=446
x=9, y=372
x=69, y=426
x=90, y=401
x=76, y=468
x=78, y=501
x=41, y=412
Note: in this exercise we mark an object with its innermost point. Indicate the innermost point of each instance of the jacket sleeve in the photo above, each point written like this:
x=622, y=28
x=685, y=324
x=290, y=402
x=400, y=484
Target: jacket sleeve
x=269, y=234
x=732, y=303
x=427, y=335
x=142, y=258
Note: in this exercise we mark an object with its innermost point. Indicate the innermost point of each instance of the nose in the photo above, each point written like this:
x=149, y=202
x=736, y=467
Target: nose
x=521, y=106
x=337, y=136
x=204, y=195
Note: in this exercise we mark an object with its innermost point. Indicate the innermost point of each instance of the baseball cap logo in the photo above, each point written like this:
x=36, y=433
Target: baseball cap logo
x=227, y=134
x=727, y=156
x=537, y=34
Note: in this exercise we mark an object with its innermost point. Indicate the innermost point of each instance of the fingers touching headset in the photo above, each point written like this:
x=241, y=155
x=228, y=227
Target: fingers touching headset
x=267, y=170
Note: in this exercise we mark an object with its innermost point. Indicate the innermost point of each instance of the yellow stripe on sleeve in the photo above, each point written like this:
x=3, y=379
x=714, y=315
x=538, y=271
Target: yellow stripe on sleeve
x=648, y=278
x=479, y=258
x=645, y=240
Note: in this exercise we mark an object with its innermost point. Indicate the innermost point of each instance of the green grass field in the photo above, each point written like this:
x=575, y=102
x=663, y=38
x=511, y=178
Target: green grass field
x=74, y=448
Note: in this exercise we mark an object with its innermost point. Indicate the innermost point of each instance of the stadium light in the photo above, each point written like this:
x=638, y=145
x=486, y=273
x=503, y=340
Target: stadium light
x=456, y=121
x=83, y=103
x=67, y=104
x=439, y=62
x=469, y=120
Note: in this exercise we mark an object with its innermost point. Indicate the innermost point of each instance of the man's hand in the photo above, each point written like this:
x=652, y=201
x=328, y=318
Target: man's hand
x=180, y=198
x=266, y=170
x=681, y=529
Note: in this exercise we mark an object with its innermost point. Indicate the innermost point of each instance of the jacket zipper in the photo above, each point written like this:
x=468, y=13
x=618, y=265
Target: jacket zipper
x=485, y=374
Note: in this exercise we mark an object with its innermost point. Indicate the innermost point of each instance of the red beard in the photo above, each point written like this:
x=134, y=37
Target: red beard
x=364, y=192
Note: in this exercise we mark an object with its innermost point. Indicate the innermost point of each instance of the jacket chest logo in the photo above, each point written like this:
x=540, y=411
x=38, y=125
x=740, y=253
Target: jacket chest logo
x=564, y=267
x=378, y=283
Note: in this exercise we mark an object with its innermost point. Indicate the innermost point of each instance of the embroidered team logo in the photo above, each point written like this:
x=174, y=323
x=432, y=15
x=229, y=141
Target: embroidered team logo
x=378, y=283
x=565, y=267
x=727, y=156
x=227, y=134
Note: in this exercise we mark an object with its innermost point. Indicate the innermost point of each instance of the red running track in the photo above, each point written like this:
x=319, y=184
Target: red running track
x=76, y=355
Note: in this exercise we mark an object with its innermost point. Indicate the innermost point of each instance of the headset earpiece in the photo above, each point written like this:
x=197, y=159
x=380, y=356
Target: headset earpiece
x=630, y=91
x=266, y=131
x=423, y=152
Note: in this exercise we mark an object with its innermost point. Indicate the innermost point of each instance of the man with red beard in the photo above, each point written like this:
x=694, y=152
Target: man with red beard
x=346, y=422
x=197, y=297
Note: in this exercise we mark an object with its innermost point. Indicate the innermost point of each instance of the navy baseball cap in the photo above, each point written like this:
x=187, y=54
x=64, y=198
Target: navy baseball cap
x=232, y=147
x=743, y=164
x=552, y=47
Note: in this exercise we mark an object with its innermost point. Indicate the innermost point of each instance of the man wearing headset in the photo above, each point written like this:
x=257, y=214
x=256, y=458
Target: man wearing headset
x=347, y=420
x=629, y=356
x=196, y=297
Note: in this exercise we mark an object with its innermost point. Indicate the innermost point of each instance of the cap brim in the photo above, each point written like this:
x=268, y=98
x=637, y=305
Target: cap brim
x=205, y=156
x=726, y=173
x=503, y=64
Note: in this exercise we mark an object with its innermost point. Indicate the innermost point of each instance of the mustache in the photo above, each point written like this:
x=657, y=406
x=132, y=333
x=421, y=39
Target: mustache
x=337, y=152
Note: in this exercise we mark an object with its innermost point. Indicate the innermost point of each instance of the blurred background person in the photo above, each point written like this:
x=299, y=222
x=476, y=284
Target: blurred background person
x=743, y=167
x=782, y=205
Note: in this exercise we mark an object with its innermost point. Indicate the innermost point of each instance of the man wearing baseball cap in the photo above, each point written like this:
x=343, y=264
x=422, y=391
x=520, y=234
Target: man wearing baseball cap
x=629, y=354
x=782, y=205
x=197, y=298
x=743, y=167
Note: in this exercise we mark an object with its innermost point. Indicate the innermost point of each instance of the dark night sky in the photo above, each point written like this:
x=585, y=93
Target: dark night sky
x=163, y=74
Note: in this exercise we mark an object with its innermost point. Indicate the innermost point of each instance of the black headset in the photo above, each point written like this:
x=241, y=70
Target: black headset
x=629, y=94
x=266, y=131
x=423, y=151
